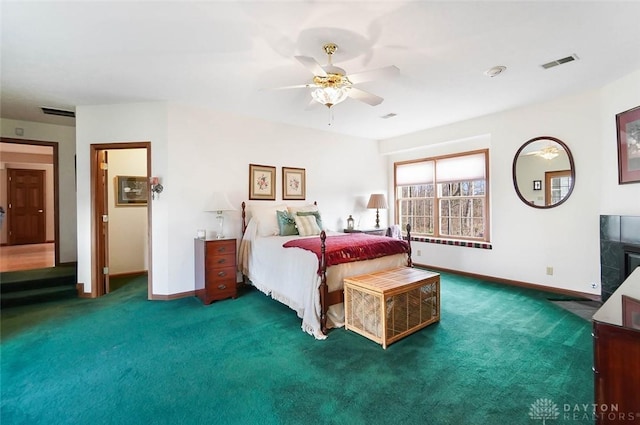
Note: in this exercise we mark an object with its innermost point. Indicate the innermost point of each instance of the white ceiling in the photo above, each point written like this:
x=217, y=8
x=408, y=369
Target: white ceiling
x=226, y=56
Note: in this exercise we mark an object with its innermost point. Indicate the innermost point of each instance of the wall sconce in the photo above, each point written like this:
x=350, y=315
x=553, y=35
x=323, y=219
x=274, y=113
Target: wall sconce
x=156, y=187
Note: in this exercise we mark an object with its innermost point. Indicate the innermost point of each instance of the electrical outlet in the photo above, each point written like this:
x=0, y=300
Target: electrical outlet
x=550, y=270
x=419, y=253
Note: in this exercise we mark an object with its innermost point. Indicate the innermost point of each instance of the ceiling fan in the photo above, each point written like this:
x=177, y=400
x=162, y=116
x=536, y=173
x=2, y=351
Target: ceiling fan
x=333, y=85
x=547, y=152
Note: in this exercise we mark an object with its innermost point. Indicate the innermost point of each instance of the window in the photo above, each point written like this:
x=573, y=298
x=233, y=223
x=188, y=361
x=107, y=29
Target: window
x=445, y=197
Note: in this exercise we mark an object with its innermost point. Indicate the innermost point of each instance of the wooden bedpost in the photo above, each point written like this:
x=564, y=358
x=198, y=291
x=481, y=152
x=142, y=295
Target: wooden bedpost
x=324, y=289
x=244, y=218
x=409, y=262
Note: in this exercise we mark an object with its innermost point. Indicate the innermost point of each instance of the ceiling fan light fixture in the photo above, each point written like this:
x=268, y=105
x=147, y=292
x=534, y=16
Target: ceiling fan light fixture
x=329, y=96
x=548, y=153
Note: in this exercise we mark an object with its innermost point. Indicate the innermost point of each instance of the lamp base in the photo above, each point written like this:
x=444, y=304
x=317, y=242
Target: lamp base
x=220, y=219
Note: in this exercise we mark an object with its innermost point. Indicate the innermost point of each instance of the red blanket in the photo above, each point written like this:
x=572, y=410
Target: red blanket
x=351, y=247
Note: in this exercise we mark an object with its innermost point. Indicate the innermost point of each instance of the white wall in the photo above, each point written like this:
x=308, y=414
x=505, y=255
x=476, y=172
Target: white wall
x=526, y=240
x=128, y=240
x=196, y=152
x=119, y=124
x=66, y=138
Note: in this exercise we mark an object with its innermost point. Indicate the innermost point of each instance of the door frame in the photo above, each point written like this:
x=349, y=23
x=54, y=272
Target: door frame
x=96, y=219
x=56, y=189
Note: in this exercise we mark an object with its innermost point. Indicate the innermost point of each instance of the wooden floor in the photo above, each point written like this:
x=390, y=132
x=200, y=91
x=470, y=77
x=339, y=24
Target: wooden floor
x=26, y=257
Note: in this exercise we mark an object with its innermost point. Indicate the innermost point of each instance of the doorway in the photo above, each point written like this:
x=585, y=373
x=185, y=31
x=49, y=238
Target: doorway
x=108, y=209
x=30, y=223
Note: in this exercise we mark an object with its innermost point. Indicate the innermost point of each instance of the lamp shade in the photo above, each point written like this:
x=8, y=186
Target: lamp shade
x=378, y=201
x=220, y=202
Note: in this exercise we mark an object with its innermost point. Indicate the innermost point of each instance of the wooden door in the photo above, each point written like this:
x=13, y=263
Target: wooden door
x=26, y=218
x=102, y=212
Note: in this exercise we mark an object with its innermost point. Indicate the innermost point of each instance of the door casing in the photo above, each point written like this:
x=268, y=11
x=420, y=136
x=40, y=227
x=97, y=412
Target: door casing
x=99, y=239
x=56, y=188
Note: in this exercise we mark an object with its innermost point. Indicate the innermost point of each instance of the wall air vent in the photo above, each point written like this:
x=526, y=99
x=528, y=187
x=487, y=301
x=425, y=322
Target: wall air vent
x=560, y=61
x=59, y=112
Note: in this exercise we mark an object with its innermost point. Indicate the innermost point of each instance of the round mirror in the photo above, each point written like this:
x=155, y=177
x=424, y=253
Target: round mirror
x=543, y=172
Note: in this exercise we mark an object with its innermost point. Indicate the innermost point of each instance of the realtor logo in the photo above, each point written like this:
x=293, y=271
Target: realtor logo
x=544, y=409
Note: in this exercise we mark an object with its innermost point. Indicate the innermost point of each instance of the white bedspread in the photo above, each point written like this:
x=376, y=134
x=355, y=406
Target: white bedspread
x=290, y=276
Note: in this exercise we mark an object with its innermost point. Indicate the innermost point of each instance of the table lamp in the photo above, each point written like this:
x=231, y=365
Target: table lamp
x=377, y=201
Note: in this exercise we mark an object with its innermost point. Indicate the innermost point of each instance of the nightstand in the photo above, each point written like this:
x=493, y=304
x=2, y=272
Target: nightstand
x=215, y=269
x=378, y=232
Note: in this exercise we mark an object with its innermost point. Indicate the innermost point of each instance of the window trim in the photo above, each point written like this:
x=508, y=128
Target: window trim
x=487, y=238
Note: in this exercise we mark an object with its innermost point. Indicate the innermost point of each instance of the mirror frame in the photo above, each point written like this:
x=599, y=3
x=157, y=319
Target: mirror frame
x=571, y=164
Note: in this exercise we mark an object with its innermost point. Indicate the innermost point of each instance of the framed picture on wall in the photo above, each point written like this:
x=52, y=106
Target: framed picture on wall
x=293, y=183
x=262, y=182
x=537, y=185
x=628, y=128
x=131, y=191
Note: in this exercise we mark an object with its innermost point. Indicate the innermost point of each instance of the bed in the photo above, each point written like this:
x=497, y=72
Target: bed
x=305, y=270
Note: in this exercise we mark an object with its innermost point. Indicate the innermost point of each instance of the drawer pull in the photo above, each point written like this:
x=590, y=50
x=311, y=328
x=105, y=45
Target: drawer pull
x=222, y=274
x=221, y=287
x=222, y=249
x=222, y=260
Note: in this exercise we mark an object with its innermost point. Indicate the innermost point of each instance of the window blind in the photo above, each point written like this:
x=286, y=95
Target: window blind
x=414, y=173
x=460, y=168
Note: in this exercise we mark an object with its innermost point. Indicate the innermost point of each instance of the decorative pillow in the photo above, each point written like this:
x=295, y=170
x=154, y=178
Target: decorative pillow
x=316, y=214
x=267, y=219
x=307, y=225
x=286, y=223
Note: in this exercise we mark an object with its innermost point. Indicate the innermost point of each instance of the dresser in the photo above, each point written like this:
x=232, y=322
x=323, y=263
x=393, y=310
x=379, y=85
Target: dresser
x=215, y=269
x=616, y=357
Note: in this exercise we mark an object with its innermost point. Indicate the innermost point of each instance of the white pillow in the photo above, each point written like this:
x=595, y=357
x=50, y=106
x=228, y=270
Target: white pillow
x=267, y=219
x=307, y=225
x=304, y=208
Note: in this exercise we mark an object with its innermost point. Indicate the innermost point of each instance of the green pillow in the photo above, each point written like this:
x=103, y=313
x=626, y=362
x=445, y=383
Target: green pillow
x=286, y=223
x=316, y=213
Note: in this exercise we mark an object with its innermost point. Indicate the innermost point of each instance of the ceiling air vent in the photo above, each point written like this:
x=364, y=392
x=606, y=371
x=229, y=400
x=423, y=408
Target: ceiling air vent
x=59, y=112
x=560, y=61
x=389, y=115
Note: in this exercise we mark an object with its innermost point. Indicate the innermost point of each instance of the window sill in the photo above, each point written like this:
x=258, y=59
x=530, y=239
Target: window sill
x=453, y=242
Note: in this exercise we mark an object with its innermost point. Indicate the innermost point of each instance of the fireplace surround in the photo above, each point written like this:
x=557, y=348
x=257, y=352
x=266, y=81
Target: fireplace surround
x=619, y=250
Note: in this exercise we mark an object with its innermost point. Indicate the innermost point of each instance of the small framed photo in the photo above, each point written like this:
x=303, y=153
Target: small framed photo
x=628, y=129
x=293, y=183
x=131, y=191
x=537, y=185
x=630, y=312
x=262, y=182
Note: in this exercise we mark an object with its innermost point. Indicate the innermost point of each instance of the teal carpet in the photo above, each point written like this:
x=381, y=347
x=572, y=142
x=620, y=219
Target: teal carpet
x=122, y=359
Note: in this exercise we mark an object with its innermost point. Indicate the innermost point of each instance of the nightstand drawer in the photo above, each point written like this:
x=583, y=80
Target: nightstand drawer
x=215, y=275
x=221, y=247
x=221, y=260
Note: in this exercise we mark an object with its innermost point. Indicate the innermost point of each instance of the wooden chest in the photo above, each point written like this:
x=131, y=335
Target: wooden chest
x=388, y=305
x=215, y=269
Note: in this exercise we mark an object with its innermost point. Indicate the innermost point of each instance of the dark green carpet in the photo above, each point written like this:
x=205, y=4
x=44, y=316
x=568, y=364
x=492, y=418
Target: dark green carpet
x=124, y=360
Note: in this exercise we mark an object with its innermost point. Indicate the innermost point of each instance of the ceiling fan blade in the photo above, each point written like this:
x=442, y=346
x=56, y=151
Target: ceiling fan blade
x=374, y=74
x=364, y=96
x=298, y=86
x=312, y=65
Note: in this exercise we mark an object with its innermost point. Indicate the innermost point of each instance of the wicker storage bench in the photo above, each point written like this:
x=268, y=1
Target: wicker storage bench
x=388, y=305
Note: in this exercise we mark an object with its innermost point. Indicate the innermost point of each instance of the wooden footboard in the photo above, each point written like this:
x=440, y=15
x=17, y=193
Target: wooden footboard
x=327, y=298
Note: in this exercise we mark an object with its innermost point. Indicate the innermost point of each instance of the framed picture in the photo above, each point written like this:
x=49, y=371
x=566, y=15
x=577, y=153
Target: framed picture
x=293, y=183
x=262, y=182
x=628, y=128
x=537, y=185
x=131, y=191
x=630, y=312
